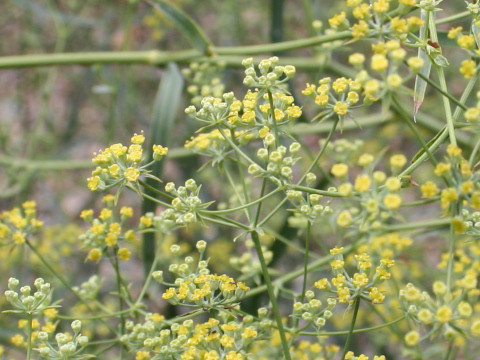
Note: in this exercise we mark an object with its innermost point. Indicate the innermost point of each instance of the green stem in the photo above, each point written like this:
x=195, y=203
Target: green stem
x=352, y=326
x=271, y=294
x=451, y=251
x=29, y=335
x=305, y=261
x=346, y=332
x=450, y=350
x=120, y=297
x=67, y=285
x=274, y=121
x=156, y=57
x=446, y=105
x=418, y=225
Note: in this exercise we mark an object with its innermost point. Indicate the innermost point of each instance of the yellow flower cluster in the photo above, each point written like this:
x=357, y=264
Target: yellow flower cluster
x=362, y=283
x=18, y=224
x=106, y=231
x=377, y=195
x=210, y=340
x=122, y=165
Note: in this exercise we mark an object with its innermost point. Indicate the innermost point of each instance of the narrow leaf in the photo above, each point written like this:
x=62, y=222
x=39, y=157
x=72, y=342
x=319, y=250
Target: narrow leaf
x=160, y=133
x=476, y=33
x=185, y=24
x=420, y=84
x=427, y=145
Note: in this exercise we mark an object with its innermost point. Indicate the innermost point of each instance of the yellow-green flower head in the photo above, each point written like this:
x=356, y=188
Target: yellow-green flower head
x=468, y=69
x=412, y=338
x=379, y=62
x=415, y=63
x=444, y=314
x=429, y=189
x=132, y=174
x=138, y=139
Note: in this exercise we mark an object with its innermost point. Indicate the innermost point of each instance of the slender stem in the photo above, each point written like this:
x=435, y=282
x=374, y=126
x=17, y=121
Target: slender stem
x=259, y=207
x=450, y=350
x=305, y=260
x=451, y=250
x=120, y=297
x=67, y=285
x=356, y=331
x=418, y=225
x=29, y=334
x=274, y=121
x=271, y=294
x=446, y=105
x=352, y=325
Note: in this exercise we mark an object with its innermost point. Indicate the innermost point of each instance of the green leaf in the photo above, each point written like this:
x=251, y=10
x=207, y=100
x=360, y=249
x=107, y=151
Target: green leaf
x=185, y=24
x=427, y=145
x=441, y=60
x=420, y=84
x=164, y=112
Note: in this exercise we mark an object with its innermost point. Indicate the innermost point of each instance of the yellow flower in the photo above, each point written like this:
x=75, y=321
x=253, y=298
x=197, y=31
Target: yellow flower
x=17, y=340
x=475, y=328
x=398, y=161
x=362, y=11
x=392, y=201
x=124, y=254
x=454, y=32
x=360, y=279
x=468, y=68
x=341, y=108
x=360, y=29
x=337, y=264
x=412, y=338
x=376, y=296
x=356, y=59
x=322, y=284
x=447, y=196
x=339, y=170
x=442, y=168
x=159, y=150
x=466, y=41
x=321, y=99
x=415, y=63
x=379, y=62
x=365, y=159
x=337, y=250
x=132, y=174
x=337, y=20
x=138, y=139
x=381, y=6
x=142, y=355
x=50, y=313
x=93, y=183
x=94, y=254
x=429, y=189
x=464, y=309
x=444, y=314
x=344, y=219
x=362, y=183
x=249, y=333
x=471, y=114
x=394, y=81
x=411, y=293
x=425, y=316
